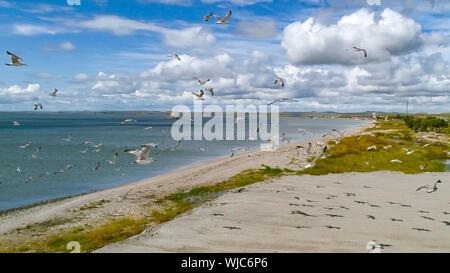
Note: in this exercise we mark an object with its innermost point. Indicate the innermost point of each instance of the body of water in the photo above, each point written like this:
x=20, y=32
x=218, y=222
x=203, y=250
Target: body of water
x=72, y=144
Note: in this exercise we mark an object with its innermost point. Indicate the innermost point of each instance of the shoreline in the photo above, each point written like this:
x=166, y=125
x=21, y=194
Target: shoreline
x=136, y=199
x=218, y=159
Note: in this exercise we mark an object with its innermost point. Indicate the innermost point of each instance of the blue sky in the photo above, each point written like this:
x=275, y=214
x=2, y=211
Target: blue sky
x=112, y=55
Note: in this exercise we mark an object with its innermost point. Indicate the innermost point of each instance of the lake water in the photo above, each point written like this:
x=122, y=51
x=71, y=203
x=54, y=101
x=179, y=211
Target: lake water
x=62, y=136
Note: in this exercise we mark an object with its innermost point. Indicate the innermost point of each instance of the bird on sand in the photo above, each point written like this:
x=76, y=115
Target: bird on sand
x=15, y=60
x=175, y=56
x=142, y=154
x=223, y=21
x=200, y=95
x=37, y=105
x=53, y=94
x=429, y=188
x=279, y=80
x=360, y=49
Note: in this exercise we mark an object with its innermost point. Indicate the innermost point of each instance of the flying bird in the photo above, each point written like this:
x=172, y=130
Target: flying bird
x=175, y=56
x=142, y=154
x=211, y=90
x=96, y=167
x=396, y=161
x=15, y=60
x=429, y=188
x=25, y=146
x=199, y=96
x=176, y=146
x=282, y=100
x=200, y=82
x=223, y=21
x=16, y=123
x=53, y=94
x=279, y=80
x=360, y=49
x=113, y=161
x=127, y=121
x=35, y=155
x=37, y=105
x=207, y=17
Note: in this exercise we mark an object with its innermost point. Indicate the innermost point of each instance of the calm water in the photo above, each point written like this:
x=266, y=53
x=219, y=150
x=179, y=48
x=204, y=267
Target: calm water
x=61, y=136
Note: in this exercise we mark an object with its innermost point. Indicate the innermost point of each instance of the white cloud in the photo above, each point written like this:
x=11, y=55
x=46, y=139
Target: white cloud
x=15, y=89
x=311, y=43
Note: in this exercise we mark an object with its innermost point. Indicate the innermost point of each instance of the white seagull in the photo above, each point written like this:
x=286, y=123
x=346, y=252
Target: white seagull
x=199, y=96
x=127, y=121
x=373, y=147
x=113, y=161
x=15, y=60
x=37, y=105
x=279, y=80
x=360, y=49
x=408, y=152
x=35, y=155
x=175, y=56
x=282, y=100
x=207, y=17
x=142, y=154
x=200, y=82
x=223, y=21
x=396, y=161
x=16, y=123
x=429, y=188
x=25, y=146
x=53, y=94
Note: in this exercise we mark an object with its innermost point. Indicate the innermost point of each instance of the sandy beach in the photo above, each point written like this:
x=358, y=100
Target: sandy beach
x=268, y=215
x=332, y=213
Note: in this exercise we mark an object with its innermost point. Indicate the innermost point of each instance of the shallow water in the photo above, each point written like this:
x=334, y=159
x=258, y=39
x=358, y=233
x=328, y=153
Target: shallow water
x=61, y=136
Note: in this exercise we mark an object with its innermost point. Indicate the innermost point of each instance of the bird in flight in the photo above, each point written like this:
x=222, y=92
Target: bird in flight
x=360, y=49
x=113, y=161
x=200, y=82
x=15, y=60
x=199, y=96
x=53, y=94
x=429, y=188
x=207, y=17
x=127, y=121
x=211, y=90
x=175, y=56
x=35, y=155
x=279, y=80
x=223, y=21
x=96, y=167
x=16, y=123
x=282, y=100
x=37, y=105
x=142, y=154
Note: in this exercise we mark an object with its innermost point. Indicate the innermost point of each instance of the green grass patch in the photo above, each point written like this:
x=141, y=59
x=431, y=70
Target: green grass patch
x=351, y=154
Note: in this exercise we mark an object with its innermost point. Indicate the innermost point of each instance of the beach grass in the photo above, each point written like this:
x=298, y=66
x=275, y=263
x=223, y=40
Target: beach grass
x=391, y=138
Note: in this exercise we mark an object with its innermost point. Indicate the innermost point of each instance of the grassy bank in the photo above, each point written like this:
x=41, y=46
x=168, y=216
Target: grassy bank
x=168, y=207
x=392, y=140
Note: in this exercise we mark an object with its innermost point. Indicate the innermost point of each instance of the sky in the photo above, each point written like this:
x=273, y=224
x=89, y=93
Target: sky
x=113, y=55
